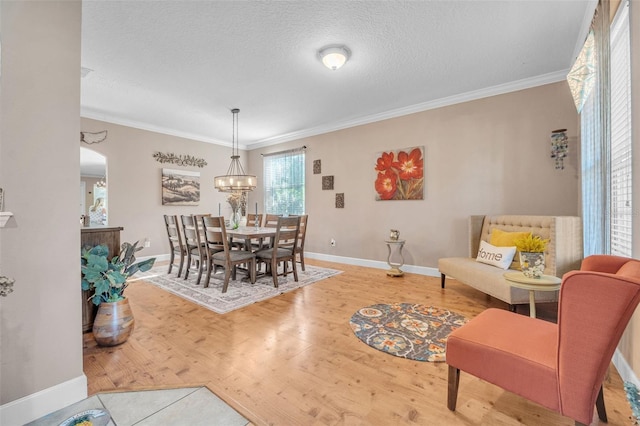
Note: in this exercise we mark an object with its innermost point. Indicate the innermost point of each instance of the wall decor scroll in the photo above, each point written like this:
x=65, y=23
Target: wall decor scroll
x=400, y=174
x=340, y=200
x=180, y=160
x=559, y=147
x=317, y=167
x=327, y=182
x=180, y=188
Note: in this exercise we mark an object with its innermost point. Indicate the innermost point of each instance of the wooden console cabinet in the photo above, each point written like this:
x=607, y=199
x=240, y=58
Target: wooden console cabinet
x=94, y=236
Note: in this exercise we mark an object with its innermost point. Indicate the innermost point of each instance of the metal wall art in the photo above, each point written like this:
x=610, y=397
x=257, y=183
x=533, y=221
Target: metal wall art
x=559, y=147
x=89, y=138
x=327, y=182
x=180, y=160
x=340, y=200
x=317, y=167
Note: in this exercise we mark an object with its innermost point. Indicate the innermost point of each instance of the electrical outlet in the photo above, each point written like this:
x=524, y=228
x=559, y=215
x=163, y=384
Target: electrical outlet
x=333, y=242
x=147, y=242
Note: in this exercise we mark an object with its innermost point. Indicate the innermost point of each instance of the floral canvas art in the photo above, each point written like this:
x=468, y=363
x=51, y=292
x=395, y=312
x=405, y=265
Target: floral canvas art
x=400, y=174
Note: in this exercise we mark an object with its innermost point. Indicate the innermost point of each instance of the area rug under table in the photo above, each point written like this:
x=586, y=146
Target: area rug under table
x=406, y=330
x=240, y=293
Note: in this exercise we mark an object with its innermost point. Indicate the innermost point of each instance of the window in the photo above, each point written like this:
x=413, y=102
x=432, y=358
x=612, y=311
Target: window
x=606, y=139
x=284, y=175
x=621, y=155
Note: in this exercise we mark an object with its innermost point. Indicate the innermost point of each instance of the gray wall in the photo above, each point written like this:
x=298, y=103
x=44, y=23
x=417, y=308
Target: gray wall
x=489, y=156
x=40, y=322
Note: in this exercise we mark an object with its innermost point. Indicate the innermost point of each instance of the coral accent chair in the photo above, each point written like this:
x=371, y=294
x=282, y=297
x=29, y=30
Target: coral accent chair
x=559, y=366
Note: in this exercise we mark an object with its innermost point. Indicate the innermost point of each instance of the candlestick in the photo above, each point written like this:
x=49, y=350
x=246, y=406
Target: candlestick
x=218, y=209
x=256, y=209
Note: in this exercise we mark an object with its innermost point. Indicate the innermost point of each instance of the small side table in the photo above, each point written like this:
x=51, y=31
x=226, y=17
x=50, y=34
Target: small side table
x=544, y=283
x=395, y=245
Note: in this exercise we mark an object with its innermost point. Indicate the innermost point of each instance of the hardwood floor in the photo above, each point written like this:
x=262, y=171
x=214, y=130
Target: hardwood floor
x=293, y=359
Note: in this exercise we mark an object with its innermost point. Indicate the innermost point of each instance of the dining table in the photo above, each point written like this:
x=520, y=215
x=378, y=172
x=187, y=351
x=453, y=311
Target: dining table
x=248, y=233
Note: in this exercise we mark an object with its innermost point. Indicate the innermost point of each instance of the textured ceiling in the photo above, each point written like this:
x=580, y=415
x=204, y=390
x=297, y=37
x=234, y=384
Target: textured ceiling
x=178, y=67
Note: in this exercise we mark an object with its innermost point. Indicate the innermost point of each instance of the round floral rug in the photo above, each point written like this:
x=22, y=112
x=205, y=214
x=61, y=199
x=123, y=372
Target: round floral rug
x=406, y=330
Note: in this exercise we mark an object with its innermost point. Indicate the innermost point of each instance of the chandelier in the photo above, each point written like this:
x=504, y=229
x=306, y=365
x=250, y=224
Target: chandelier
x=235, y=179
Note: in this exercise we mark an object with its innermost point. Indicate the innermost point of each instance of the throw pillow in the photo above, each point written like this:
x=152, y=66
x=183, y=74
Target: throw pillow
x=502, y=238
x=500, y=257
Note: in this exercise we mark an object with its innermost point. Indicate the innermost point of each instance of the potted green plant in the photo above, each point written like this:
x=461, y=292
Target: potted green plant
x=532, y=260
x=106, y=280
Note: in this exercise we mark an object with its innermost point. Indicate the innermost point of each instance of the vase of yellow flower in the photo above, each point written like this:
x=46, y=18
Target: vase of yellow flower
x=532, y=258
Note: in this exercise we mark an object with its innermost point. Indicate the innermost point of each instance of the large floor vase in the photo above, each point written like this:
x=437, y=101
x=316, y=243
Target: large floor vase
x=114, y=323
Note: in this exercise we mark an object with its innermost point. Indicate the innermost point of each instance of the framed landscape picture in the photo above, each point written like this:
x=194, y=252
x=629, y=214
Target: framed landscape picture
x=180, y=187
x=400, y=174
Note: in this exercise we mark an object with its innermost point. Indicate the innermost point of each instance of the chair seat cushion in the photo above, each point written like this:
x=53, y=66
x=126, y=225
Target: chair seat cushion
x=519, y=357
x=268, y=253
x=235, y=255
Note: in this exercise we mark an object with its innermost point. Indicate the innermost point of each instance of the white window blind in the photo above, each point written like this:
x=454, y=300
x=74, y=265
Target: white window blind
x=284, y=179
x=621, y=153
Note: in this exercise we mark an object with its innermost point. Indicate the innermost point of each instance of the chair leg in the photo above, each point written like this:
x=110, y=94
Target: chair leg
x=252, y=271
x=186, y=272
x=181, y=264
x=208, y=277
x=302, y=261
x=171, y=259
x=442, y=278
x=227, y=274
x=602, y=412
x=454, y=381
x=200, y=268
x=274, y=272
x=295, y=270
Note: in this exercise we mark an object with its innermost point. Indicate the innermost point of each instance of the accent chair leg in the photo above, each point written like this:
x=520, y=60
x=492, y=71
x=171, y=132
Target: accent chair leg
x=512, y=308
x=442, y=278
x=602, y=412
x=454, y=381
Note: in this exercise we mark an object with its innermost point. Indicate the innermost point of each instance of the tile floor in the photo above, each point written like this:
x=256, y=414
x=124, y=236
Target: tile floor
x=184, y=406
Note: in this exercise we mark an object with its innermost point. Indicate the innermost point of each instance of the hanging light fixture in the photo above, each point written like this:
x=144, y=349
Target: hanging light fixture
x=102, y=183
x=236, y=179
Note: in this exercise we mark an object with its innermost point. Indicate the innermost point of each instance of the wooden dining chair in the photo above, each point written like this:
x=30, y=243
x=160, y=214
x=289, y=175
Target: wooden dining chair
x=219, y=252
x=176, y=245
x=253, y=218
x=283, y=248
x=301, y=237
x=271, y=220
x=194, y=245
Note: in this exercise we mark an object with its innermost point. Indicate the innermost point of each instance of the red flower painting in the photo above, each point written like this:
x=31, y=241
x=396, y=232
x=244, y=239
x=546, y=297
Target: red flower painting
x=400, y=175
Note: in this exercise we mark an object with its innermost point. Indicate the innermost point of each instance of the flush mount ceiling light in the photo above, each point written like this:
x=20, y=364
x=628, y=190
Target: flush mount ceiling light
x=235, y=179
x=334, y=56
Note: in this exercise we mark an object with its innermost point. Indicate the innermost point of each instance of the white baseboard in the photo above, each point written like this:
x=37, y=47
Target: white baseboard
x=624, y=369
x=46, y=401
x=422, y=270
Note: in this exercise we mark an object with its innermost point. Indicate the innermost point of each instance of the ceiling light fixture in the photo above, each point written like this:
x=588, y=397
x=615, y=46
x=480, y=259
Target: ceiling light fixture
x=334, y=56
x=236, y=180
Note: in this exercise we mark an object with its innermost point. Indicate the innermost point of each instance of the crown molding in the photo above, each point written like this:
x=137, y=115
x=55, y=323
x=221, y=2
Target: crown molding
x=94, y=114
x=513, y=86
x=500, y=89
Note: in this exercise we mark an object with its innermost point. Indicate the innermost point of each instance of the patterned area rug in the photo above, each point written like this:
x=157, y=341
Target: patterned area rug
x=406, y=330
x=240, y=293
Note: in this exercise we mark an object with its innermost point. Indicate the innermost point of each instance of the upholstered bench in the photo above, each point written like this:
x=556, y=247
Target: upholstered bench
x=563, y=254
